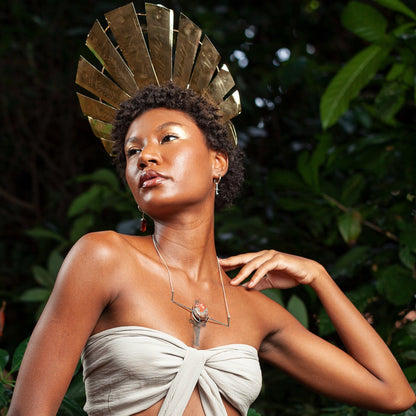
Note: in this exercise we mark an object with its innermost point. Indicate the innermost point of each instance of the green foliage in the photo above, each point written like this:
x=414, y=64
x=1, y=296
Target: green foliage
x=45, y=277
x=349, y=225
x=349, y=81
x=104, y=194
x=365, y=21
x=391, y=49
x=298, y=309
x=7, y=374
x=8, y=371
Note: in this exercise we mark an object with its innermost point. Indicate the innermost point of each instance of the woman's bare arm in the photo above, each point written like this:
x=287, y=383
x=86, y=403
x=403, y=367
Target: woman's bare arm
x=366, y=376
x=81, y=292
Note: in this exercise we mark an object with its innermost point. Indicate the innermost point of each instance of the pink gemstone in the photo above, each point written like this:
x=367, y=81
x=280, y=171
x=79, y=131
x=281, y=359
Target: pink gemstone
x=201, y=307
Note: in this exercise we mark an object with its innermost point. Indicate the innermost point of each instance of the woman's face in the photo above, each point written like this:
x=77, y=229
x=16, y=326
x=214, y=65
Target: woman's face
x=168, y=163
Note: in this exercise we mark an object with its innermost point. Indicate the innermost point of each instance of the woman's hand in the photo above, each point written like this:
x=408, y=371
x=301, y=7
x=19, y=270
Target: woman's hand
x=273, y=269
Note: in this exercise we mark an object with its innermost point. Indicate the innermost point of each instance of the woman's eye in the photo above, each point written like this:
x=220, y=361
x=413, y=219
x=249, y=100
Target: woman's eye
x=133, y=151
x=168, y=138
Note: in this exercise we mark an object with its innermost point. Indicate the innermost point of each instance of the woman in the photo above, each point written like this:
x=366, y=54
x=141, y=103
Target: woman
x=113, y=294
x=161, y=329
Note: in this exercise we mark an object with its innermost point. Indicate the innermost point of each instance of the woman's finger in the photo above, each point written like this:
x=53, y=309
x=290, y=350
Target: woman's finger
x=251, y=267
x=234, y=262
x=270, y=265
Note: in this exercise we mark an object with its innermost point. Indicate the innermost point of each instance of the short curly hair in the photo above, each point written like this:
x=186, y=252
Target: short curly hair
x=205, y=116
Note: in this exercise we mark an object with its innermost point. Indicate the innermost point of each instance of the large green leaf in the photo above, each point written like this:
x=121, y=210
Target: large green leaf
x=43, y=233
x=104, y=176
x=85, y=201
x=55, y=261
x=397, y=6
x=349, y=225
x=298, y=309
x=18, y=355
x=35, y=295
x=308, y=164
x=349, y=81
x=396, y=284
x=42, y=276
x=408, y=237
x=390, y=100
x=365, y=21
x=407, y=258
x=325, y=326
x=81, y=226
x=274, y=294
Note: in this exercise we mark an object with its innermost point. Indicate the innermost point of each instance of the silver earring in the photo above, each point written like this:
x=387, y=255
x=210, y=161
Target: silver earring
x=143, y=222
x=217, y=182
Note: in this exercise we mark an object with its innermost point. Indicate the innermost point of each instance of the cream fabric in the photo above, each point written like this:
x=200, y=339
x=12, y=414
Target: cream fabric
x=130, y=368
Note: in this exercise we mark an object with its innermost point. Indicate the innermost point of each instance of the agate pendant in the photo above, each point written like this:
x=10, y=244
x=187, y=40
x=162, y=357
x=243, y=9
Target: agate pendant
x=199, y=313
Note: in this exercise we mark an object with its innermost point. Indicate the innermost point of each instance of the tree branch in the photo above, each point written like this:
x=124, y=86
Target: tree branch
x=369, y=224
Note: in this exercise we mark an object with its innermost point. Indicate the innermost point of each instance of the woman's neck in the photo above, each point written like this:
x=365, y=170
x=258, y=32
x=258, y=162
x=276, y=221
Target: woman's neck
x=189, y=246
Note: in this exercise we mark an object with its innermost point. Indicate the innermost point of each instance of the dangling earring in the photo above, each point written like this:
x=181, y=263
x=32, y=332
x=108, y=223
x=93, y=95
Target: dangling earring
x=143, y=222
x=217, y=182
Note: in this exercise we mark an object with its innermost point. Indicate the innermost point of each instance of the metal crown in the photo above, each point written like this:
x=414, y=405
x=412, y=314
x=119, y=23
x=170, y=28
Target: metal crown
x=144, y=56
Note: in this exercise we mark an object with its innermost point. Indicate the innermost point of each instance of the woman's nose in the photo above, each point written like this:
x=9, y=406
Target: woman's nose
x=149, y=154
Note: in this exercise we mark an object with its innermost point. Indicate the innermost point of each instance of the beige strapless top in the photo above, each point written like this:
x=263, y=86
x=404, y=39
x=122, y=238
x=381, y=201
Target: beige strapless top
x=130, y=368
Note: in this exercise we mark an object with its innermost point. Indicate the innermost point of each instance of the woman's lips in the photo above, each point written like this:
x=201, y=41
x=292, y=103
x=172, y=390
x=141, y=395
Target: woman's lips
x=150, y=178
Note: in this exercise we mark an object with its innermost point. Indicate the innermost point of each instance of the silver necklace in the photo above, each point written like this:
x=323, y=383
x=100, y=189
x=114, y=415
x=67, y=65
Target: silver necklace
x=199, y=312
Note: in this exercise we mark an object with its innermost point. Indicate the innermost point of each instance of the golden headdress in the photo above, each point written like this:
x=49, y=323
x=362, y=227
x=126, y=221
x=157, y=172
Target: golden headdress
x=144, y=56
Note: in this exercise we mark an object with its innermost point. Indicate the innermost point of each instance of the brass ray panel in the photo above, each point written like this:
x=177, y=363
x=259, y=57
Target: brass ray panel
x=231, y=106
x=129, y=36
x=102, y=131
x=94, y=81
x=205, y=65
x=187, y=42
x=232, y=134
x=96, y=109
x=108, y=146
x=100, y=44
x=220, y=85
x=160, y=37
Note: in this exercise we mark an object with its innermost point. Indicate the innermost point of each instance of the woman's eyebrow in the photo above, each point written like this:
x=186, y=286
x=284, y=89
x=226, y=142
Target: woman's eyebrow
x=158, y=128
x=169, y=124
x=131, y=139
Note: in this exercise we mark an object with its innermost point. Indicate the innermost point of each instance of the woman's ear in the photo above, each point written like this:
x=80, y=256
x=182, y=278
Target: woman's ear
x=219, y=163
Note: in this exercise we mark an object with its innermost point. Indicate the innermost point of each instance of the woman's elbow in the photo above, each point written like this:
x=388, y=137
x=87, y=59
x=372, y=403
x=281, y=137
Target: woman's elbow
x=401, y=402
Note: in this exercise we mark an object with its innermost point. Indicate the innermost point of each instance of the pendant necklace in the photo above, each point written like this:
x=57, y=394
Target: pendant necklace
x=199, y=312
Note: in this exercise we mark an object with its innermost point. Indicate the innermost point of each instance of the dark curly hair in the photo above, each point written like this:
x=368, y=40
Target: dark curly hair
x=205, y=116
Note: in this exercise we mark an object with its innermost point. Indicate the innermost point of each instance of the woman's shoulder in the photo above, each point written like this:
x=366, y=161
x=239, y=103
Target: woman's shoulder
x=110, y=243
x=104, y=258
x=107, y=249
